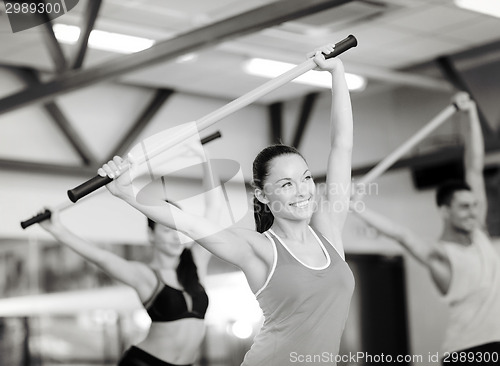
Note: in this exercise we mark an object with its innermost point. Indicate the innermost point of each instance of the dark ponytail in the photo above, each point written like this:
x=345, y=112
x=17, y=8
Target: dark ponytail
x=187, y=273
x=262, y=214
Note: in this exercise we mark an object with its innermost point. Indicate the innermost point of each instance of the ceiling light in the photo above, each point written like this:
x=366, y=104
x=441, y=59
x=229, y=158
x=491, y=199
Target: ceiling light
x=101, y=40
x=187, y=58
x=489, y=7
x=116, y=42
x=272, y=69
x=67, y=34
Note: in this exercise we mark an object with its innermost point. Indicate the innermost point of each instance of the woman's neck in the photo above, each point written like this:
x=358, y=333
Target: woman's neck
x=162, y=261
x=294, y=230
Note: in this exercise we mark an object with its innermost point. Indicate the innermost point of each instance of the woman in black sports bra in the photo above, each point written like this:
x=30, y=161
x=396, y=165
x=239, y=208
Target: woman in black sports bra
x=169, y=288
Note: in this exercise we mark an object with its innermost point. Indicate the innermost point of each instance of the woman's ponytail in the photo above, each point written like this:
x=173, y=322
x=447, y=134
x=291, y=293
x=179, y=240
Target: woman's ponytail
x=263, y=216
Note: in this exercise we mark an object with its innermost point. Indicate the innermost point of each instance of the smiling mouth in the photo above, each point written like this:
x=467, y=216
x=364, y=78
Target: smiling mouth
x=301, y=204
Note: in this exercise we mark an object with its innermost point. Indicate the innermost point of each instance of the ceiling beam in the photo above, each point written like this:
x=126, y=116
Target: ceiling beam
x=47, y=168
x=90, y=16
x=32, y=167
x=305, y=113
x=442, y=156
x=30, y=78
x=53, y=45
x=248, y=22
x=142, y=121
x=71, y=134
x=82, y=172
x=448, y=68
x=445, y=155
x=482, y=55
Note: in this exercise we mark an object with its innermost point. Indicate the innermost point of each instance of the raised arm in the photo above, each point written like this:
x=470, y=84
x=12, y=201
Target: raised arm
x=335, y=204
x=134, y=274
x=474, y=153
x=430, y=254
x=232, y=247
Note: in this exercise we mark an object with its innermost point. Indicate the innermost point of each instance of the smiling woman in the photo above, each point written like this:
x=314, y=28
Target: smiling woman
x=272, y=171
x=296, y=271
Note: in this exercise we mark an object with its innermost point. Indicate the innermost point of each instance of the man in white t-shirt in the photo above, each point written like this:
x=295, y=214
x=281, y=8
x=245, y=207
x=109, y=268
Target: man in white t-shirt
x=463, y=264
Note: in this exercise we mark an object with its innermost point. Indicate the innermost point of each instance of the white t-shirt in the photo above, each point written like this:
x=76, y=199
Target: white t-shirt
x=474, y=294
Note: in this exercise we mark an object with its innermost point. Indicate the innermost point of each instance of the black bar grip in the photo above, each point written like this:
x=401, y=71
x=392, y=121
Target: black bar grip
x=88, y=187
x=36, y=219
x=211, y=137
x=349, y=42
x=97, y=182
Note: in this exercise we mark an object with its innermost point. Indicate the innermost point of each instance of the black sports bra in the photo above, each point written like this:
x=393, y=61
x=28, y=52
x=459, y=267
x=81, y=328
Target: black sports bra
x=168, y=304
